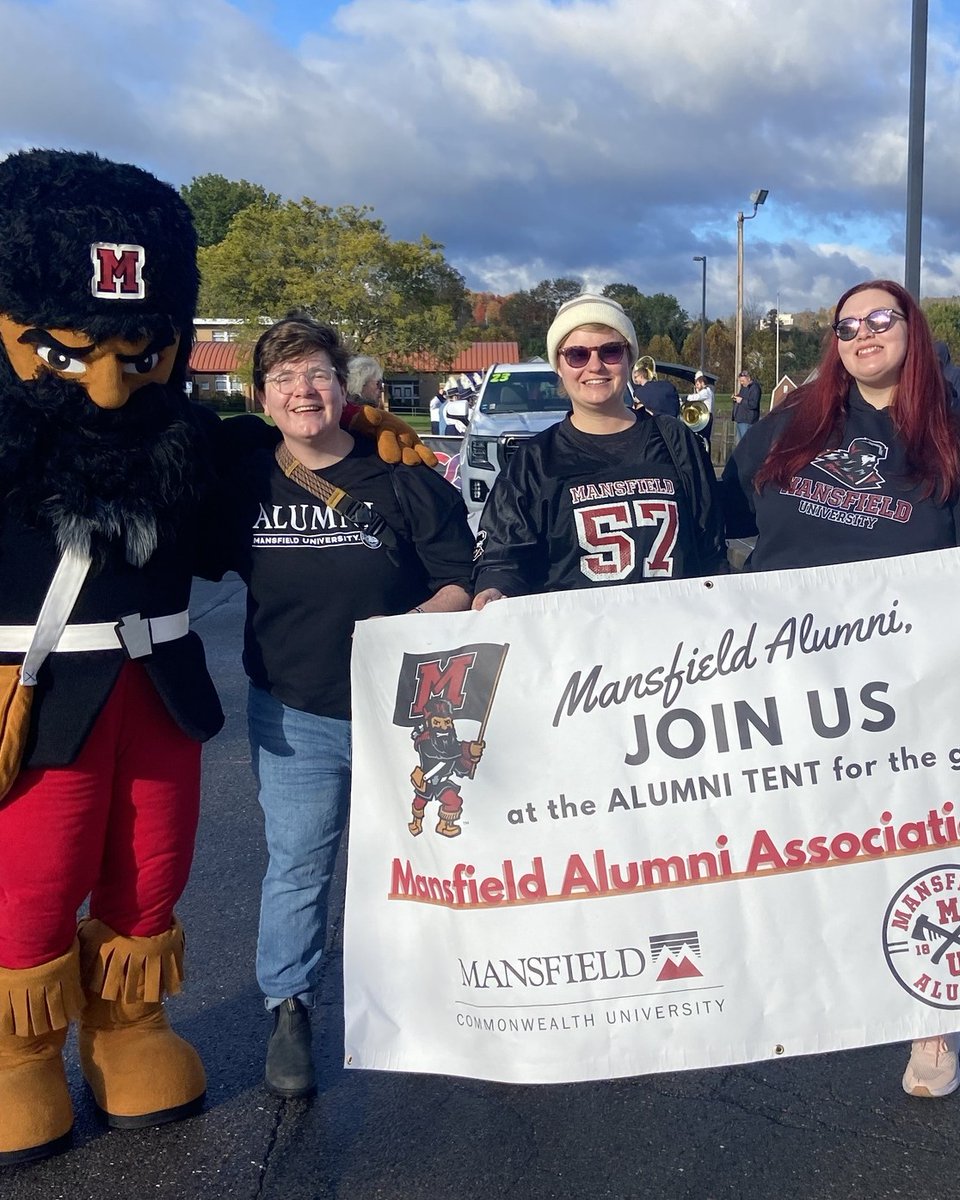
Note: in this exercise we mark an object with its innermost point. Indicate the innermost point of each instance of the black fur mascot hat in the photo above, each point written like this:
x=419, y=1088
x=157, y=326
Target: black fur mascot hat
x=97, y=246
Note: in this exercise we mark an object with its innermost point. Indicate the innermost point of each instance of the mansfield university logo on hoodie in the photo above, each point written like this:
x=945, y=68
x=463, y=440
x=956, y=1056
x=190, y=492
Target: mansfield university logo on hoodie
x=853, y=496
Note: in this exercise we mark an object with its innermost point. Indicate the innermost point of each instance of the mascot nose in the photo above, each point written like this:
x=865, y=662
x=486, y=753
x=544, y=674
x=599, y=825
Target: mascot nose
x=107, y=384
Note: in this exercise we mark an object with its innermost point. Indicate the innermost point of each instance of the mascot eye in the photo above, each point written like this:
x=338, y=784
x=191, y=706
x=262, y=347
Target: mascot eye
x=142, y=365
x=58, y=360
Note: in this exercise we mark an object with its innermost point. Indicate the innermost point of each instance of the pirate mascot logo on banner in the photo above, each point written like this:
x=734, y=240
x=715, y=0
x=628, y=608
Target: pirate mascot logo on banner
x=100, y=479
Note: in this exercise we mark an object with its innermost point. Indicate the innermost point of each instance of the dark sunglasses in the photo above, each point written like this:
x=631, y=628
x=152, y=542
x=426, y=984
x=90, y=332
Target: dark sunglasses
x=878, y=321
x=610, y=354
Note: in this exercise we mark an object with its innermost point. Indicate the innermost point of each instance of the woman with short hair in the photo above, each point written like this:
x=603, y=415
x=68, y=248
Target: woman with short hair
x=383, y=540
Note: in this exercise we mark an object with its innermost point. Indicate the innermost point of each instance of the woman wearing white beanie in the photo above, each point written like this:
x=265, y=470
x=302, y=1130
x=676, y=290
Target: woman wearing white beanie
x=607, y=495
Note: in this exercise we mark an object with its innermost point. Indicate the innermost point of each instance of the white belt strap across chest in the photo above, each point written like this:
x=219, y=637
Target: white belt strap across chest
x=135, y=634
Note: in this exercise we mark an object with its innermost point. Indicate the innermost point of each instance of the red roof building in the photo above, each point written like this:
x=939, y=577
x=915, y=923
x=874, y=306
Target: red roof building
x=477, y=357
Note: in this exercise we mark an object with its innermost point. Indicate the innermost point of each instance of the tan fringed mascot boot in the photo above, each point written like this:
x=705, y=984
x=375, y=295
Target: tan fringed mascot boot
x=36, y=1006
x=140, y=1072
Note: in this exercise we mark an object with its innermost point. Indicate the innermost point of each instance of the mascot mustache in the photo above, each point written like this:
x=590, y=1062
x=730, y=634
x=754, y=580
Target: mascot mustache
x=95, y=476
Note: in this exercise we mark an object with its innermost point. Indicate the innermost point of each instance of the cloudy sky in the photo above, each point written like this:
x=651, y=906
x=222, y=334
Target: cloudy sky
x=607, y=139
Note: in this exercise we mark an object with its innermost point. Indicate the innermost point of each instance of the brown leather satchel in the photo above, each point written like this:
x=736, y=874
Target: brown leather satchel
x=15, y=703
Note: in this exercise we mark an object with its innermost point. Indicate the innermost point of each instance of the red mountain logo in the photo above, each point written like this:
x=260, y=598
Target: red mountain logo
x=684, y=969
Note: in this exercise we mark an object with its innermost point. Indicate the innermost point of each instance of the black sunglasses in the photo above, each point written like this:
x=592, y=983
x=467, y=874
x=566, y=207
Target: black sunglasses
x=610, y=354
x=878, y=321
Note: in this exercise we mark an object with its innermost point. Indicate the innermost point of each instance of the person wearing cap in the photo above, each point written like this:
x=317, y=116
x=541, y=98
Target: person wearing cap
x=703, y=394
x=746, y=403
x=608, y=495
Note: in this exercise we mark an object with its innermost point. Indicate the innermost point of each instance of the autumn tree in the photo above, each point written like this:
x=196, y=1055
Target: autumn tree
x=720, y=355
x=529, y=314
x=690, y=350
x=528, y=319
x=661, y=348
x=391, y=299
x=215, y=200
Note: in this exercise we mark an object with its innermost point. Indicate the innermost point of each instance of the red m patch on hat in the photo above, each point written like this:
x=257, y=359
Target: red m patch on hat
x=117, y=271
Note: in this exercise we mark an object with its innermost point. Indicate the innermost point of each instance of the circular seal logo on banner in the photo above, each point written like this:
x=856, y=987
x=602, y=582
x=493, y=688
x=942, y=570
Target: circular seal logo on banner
x=921, y=936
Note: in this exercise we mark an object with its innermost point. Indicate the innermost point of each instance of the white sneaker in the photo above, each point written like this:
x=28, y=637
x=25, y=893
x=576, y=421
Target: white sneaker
x=932, y=1070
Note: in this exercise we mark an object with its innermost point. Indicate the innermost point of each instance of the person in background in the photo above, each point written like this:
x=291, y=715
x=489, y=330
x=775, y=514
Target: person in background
x=390, y=540
x=746, y=403
x=365, y=381
x=437, y=404
x=541, y=528
x=877, y=413
x=703, y=394
x=656, y=395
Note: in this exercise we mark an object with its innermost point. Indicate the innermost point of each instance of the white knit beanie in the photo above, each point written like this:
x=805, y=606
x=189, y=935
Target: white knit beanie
x=588, y=309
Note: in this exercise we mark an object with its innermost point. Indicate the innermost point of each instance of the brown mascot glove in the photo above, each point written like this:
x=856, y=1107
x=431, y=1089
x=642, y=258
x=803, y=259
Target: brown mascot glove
x=396, y=441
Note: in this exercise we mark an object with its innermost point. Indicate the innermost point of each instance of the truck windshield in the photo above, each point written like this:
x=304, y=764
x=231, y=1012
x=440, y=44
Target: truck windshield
x=521, y=392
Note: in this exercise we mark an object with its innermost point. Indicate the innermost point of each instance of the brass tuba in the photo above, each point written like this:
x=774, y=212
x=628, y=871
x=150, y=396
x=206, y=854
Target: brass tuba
x=694, y=413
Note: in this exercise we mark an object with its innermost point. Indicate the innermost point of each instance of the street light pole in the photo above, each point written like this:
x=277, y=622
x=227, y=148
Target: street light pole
x=702, y=258
x=756, y=199
x=918, y=87
x=776, y=369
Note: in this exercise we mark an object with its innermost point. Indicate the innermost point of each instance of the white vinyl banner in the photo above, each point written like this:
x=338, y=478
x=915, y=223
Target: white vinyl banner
x=682, y=824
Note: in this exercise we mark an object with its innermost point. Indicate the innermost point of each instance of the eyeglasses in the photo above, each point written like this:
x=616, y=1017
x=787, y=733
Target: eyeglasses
x=878, y=321
x=610, y=354
x=286, y=381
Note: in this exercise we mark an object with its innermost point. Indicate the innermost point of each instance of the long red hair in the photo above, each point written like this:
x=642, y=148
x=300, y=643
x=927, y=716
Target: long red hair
x=919, y=409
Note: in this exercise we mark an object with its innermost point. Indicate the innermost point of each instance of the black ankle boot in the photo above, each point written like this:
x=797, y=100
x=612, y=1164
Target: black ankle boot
x=289, y=1071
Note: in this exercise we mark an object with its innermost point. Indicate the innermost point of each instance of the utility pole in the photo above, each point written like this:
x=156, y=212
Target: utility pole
x=918, y=88
x=702, y=259
x=756, y=199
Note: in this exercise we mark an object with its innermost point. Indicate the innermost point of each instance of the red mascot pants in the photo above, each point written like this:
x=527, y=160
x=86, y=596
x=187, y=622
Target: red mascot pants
x=117, y=825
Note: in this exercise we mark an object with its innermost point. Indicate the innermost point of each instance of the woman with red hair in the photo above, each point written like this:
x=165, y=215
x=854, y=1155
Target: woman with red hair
x=862, y=462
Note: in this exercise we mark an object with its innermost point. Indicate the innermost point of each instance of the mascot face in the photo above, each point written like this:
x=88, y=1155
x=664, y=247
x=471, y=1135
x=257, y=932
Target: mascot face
x=109, y=371
x=98, y=288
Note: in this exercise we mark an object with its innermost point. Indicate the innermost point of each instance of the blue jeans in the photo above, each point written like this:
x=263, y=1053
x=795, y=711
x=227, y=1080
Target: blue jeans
x=742, y=427
x=302, y=766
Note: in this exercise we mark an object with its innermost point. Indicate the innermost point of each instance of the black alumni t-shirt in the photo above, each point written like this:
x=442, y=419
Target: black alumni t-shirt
x=311, y=577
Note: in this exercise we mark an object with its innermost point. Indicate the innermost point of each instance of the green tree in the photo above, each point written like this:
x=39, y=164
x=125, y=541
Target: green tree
x=215, y=200
x=651, y=315
x=527, y=315
x=633, y=302
x=943, y=317
x=667, y=318
x=392, y=299
x=557, y=291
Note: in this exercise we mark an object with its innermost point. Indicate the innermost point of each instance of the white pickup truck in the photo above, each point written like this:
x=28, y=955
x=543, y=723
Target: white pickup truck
x=516, y=400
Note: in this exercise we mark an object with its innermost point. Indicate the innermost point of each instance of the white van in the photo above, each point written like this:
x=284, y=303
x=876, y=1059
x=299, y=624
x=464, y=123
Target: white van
x=516, y=401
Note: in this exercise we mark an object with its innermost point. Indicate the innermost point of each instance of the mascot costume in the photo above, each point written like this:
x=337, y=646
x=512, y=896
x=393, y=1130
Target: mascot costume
x=100, y=485
x=105, y=695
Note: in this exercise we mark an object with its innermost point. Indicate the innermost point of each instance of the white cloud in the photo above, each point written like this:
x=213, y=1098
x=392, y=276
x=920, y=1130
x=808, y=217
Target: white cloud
x=611, y=139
